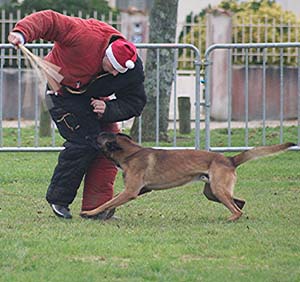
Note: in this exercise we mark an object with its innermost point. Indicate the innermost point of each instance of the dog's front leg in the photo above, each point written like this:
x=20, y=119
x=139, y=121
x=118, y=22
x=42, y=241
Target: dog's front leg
x=122, y=198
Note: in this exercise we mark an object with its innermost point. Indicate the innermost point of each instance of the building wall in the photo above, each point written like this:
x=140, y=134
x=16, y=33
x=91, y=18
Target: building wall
x=290, y=5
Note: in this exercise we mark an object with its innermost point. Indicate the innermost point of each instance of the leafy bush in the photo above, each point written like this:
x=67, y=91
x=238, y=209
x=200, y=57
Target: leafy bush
x=253, y=22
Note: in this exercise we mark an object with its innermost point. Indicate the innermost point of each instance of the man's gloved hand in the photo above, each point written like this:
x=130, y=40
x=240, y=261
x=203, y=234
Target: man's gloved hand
x=16, y=38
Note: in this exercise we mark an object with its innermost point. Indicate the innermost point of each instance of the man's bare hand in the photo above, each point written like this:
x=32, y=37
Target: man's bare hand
x=15, y=38
x=99, y=106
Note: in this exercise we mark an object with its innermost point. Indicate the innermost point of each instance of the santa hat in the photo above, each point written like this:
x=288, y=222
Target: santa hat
x=122, y=55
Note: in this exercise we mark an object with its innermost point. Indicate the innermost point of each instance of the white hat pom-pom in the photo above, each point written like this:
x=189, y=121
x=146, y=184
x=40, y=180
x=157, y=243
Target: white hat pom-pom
x=129, y=64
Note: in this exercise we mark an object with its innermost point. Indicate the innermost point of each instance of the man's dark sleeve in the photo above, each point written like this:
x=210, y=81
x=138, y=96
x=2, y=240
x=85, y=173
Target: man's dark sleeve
x=129, y=103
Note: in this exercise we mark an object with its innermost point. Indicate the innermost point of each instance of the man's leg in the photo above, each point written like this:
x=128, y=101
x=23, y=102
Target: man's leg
x=98, y=183
x=99, y=180
x=72, y=164
x=77, y=124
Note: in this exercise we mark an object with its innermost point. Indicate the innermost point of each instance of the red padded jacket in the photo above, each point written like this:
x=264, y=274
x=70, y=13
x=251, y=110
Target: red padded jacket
x=79, y=44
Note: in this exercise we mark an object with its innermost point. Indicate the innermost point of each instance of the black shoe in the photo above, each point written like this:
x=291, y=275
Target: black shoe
x=105, y=215
x=61, y=211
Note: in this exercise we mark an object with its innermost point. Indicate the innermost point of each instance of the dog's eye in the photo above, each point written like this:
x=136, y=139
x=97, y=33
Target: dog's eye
x=113, y=146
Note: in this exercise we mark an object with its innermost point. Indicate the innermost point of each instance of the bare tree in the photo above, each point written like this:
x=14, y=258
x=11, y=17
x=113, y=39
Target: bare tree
x=163, y=21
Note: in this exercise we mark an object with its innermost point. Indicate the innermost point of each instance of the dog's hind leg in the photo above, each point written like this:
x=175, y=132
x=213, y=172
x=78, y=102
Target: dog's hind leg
x=144, y=190
x=222, y=184
x=210, y=196
x=226, y=199
x=239, y=202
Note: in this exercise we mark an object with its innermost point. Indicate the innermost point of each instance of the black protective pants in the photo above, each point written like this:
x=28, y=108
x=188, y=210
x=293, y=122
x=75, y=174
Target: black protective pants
x=77, y=123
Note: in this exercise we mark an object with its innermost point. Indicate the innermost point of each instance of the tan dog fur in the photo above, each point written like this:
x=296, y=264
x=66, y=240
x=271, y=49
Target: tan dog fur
x=147, y=169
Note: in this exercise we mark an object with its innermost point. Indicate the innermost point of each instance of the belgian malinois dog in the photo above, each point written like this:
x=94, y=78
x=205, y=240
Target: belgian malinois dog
x=147, y=169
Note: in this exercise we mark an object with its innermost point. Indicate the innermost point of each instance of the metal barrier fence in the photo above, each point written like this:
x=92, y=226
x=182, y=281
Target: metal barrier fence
x=252, y=29
x=207, y=63
x=36, y=48
x=228, y=88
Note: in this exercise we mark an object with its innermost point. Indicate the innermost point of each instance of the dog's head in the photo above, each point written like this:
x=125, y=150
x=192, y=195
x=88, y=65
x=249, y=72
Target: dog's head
x=109, y=142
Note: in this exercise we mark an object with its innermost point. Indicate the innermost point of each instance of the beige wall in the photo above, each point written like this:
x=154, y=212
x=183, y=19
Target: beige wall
x=272, y=91
x=290, y=5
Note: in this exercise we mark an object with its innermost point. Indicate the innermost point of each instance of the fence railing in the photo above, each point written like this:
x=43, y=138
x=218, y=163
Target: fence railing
x=265, y=30
x=244, y=93
x=253, y=30
x=8, y=21
x=18, y=94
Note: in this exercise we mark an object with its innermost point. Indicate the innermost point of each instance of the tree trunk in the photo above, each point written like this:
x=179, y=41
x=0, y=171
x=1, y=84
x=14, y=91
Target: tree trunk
x=163, y=21
x=45, y=122
x=184, y=109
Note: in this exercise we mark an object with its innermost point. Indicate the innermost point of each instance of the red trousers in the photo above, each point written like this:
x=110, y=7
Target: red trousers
x=99, y=179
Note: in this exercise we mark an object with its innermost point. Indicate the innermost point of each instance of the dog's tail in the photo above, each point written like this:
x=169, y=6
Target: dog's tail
x=259, y=152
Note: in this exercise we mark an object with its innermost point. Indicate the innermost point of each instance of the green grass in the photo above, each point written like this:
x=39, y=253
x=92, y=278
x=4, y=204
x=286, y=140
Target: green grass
x=28, y=138
x=219, y=137
x=172, y=235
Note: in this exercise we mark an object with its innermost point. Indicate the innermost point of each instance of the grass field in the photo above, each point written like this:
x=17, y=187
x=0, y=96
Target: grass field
x=174, y=235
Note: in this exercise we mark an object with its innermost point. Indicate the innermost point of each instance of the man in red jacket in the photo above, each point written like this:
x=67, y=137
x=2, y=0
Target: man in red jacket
x=96, y=61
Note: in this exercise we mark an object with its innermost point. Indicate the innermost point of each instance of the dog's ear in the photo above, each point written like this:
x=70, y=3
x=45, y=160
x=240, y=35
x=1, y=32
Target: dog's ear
x=113, y=146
